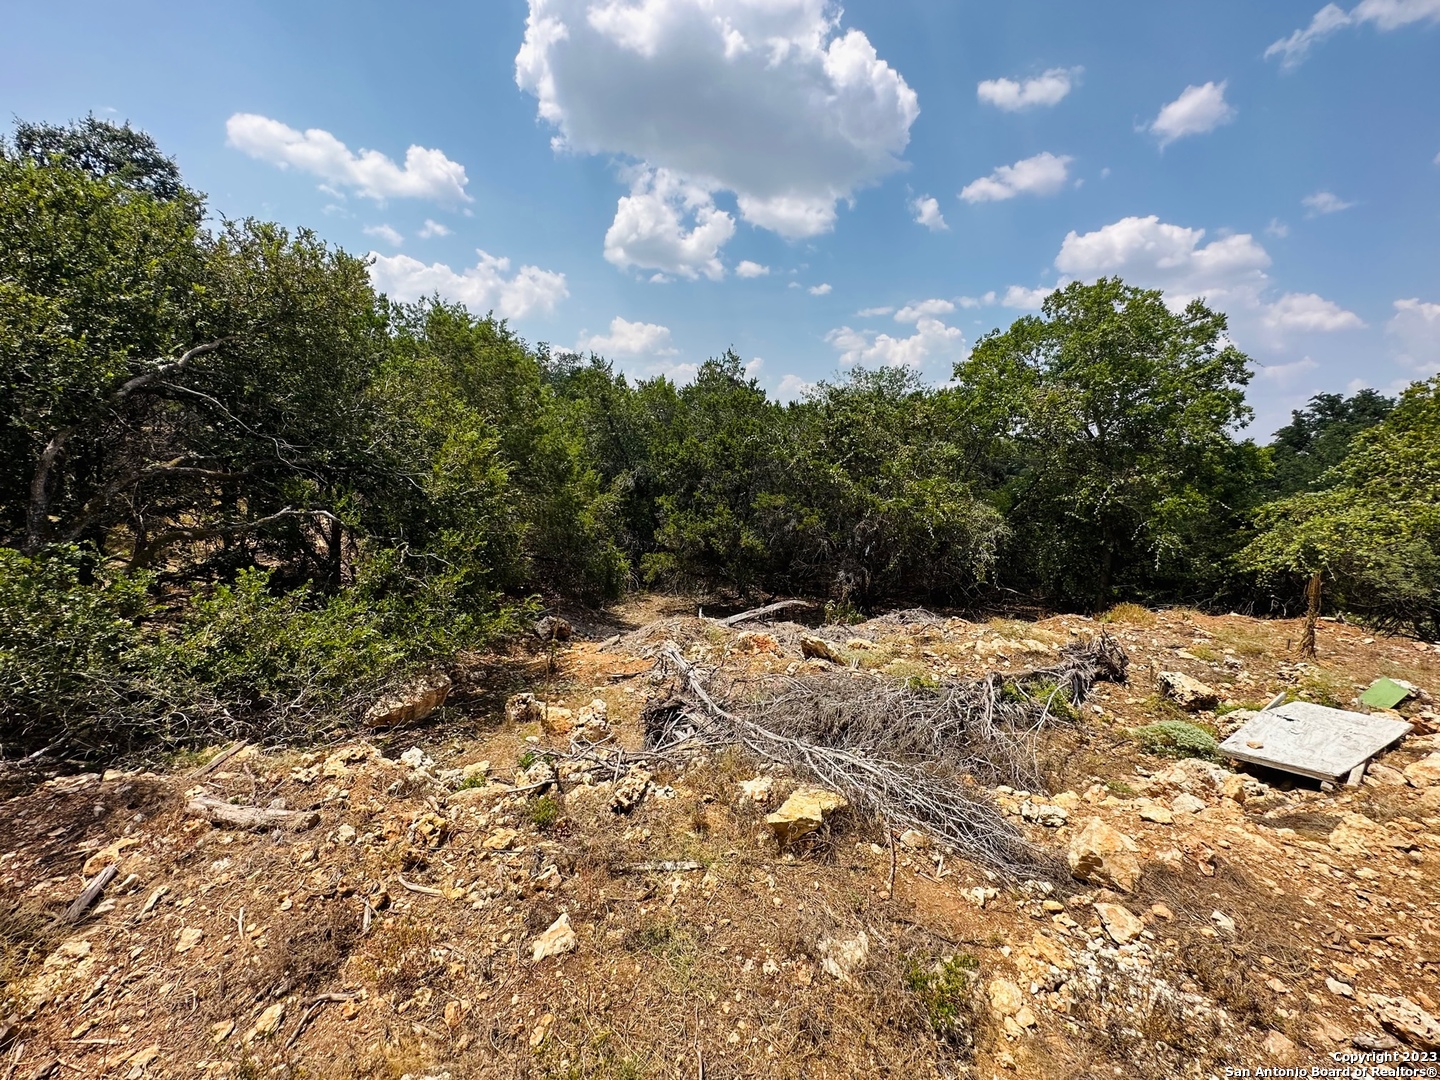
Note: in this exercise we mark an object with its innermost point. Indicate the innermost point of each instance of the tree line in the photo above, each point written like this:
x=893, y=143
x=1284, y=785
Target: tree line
x=237, y=482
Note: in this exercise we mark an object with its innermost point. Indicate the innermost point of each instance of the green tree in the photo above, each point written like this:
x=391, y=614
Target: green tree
x=1112, y=418
x=103, y=150
x=1318, y=437
x=1373, y=531
x=881, y=498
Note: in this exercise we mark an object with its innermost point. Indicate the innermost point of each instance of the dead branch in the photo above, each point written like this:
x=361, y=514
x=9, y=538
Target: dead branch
x=261, y=819
x=86, y=900
x=760, y=612
x=916, y=758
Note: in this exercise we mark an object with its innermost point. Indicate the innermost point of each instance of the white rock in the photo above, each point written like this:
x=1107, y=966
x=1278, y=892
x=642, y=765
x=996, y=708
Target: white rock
x=555, y=941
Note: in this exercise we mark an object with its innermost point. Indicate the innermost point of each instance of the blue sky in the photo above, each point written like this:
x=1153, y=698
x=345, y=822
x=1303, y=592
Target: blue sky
x=662, y=179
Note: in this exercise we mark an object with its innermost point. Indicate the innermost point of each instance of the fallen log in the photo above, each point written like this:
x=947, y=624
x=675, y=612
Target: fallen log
x=260, y=819
x=760, y=612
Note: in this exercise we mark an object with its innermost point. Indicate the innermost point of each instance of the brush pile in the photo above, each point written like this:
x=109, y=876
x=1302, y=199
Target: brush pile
x=918, y=757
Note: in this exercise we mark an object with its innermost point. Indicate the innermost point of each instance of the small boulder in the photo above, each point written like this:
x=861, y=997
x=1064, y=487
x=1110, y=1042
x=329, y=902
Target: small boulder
x=841, y=957
x=592, y=724
x=1119, y=922
x=1407, y=1021
x=1005, y=998
x=557, y=721
x=555, y=941
x=524, y=709
x=757, y=790
x=1278, y=1046
x=630, y=790
x=268, y=1022
x=552, y=628
x=1185, y=803
x=803, y=812
x=1189, y=693
x=1104, y=856
x=414, y=701
x=1157, y=814
x=814, y=648
x=1425, y=772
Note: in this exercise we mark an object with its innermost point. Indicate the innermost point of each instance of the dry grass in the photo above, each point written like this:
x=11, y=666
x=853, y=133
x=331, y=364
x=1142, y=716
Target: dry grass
x=1129, y=615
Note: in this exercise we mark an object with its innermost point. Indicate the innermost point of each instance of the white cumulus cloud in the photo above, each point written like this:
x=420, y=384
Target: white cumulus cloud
x=668, y=224
x=482, y=287
x=823, y=289
x=432, y=229
x=426, y=174
x=1049, y=88
x=932, y=340
x=1307, y=312
x=793, y=387
x=1284, y=374
x=1416, y=329
x=919, y=309
x=773, y=101
x=628, y=339
x=1149, y=252
x=386, y=233
x=1023, y=299
x=1384, y=14
x=1043, y=174
x=747, y=269
x=1197, y=110
x=1324, y=202
x=927, y=212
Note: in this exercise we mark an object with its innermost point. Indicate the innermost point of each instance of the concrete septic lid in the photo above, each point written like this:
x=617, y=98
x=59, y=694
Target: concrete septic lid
x=1312, y=740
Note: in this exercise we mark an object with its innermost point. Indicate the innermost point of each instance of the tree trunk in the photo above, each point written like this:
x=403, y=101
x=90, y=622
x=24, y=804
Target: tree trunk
x=42, y=491
x=1312, y=615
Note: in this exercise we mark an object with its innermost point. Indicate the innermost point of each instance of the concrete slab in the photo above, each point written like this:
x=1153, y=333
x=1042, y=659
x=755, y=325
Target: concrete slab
x=1312, y=740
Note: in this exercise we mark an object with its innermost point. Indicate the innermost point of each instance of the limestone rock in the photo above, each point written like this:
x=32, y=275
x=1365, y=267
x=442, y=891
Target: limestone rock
x=1190, y=694
x=592, y=724
x=1044, y=814
x=1407, y=1021
x=415, y=701
x=1278, y=1046
x=1104, y=856
x=841, y=957
x=537, y=775
x=110, y=853
x=756, y=641
x=757, y=790
x=1157, y=814
x=557, y=721
x=417, y=758
x=803, y=812
x=188, y=938
x=268, y=1023
x=814, y=648
x=630, y=790
x=1185, y=803
x=1122, y=926
x=553, y=628
x=524, y=709
x=1383, y=776
x=500, y=840
x=1005, y=997
x=1193, y=776
x=555, y=941
x=915, y=840
x=1425, y=772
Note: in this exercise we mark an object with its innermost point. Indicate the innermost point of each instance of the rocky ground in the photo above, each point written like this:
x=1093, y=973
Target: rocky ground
x=446, y=899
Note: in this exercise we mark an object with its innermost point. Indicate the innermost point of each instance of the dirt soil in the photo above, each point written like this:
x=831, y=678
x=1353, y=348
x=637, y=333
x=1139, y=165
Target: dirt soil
x=1274, y=923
